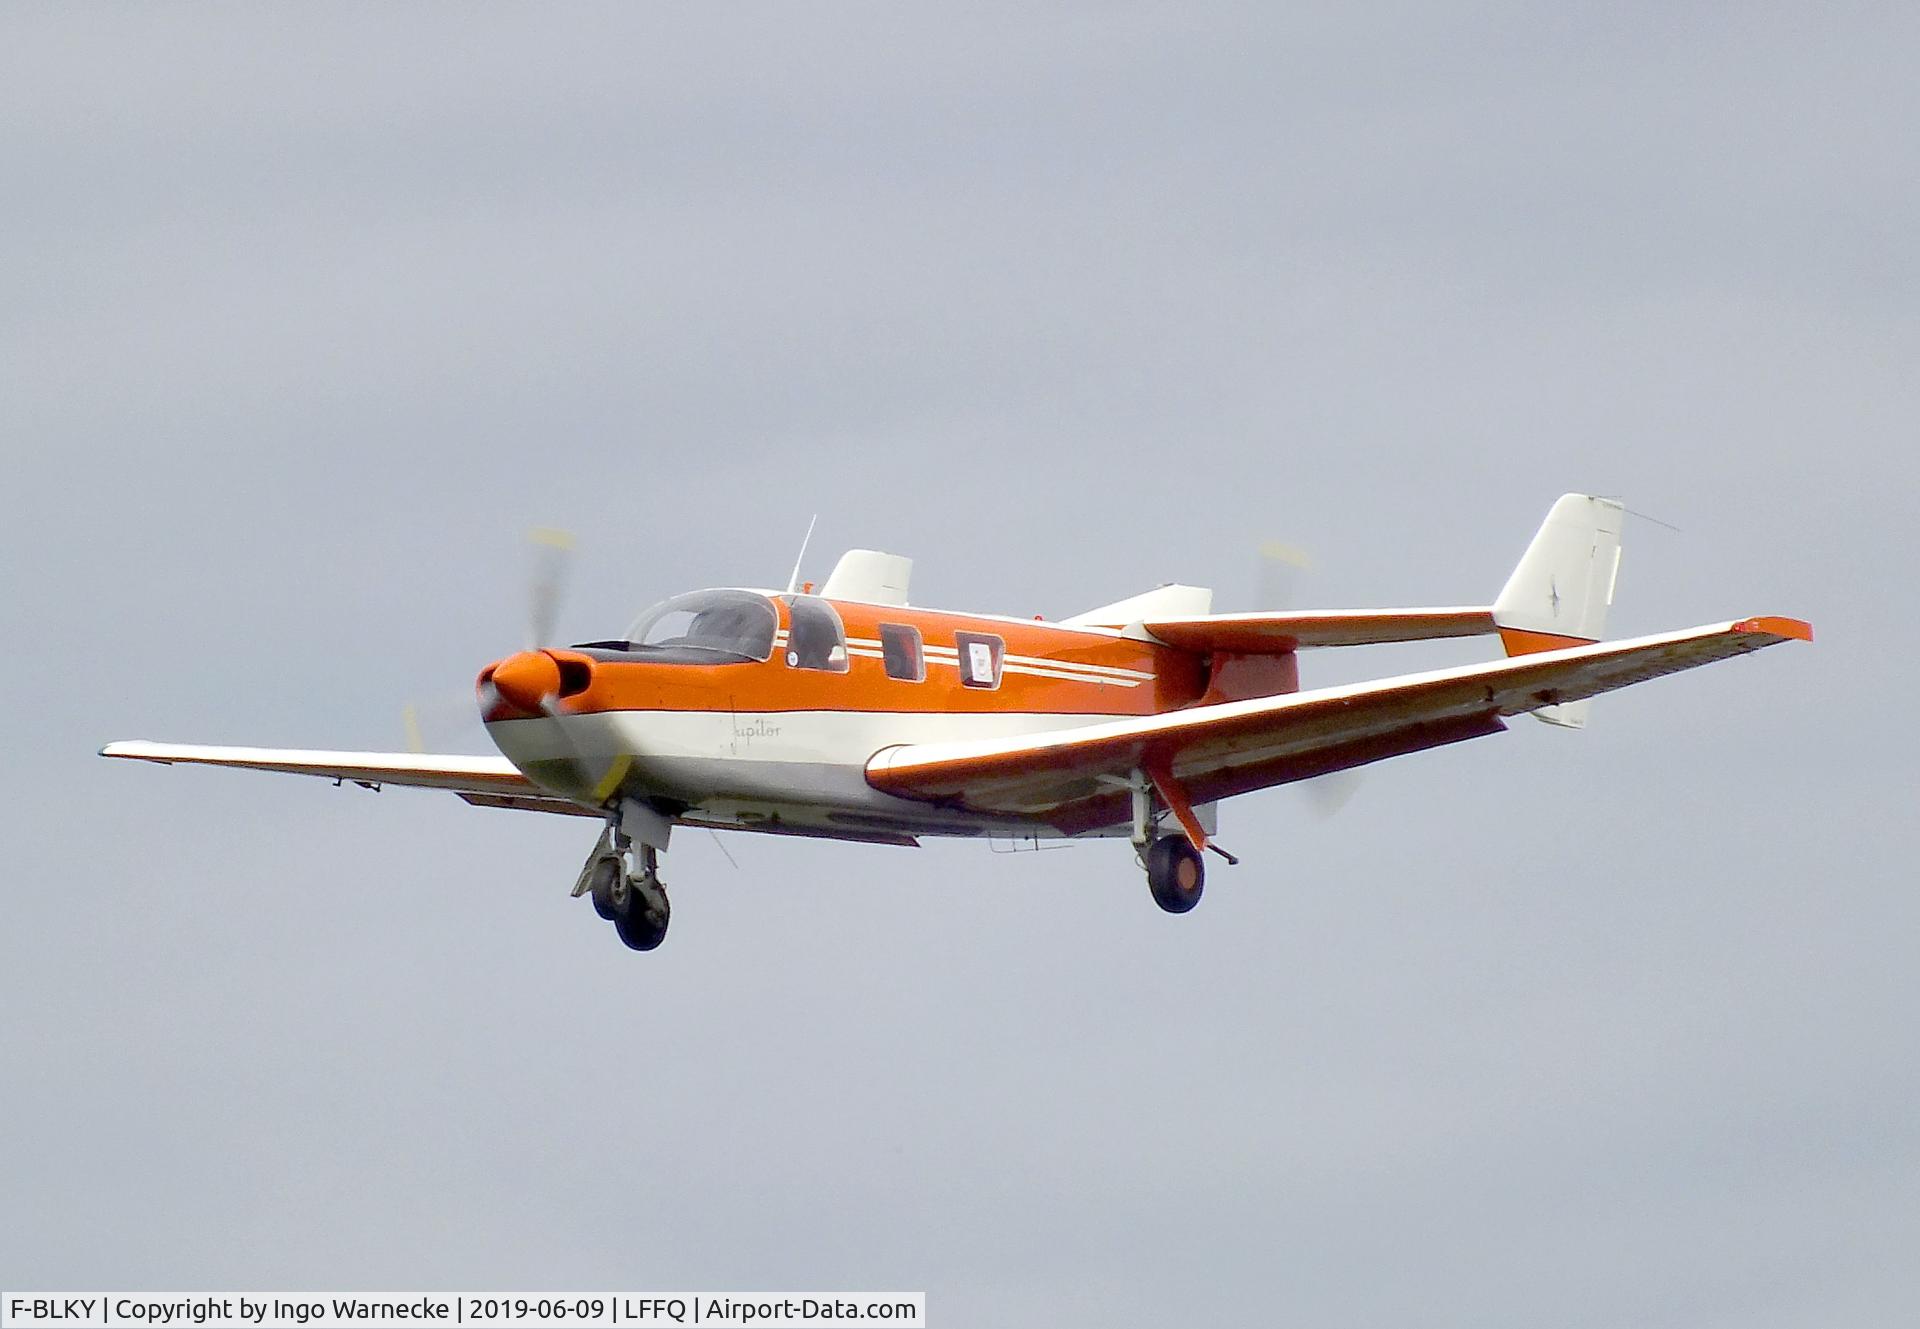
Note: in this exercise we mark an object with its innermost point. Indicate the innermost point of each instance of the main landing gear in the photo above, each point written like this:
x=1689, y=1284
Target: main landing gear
x=1176, y=868
x=632, y=898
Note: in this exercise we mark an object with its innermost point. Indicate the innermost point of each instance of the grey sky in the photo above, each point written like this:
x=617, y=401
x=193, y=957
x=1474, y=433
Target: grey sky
x=307, y=314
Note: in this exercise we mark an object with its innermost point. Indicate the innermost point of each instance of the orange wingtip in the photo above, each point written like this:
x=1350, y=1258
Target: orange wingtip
x=1792, y=628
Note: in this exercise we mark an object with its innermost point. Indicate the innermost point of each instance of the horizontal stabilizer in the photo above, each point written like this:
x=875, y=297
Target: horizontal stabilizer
x=1272, y=634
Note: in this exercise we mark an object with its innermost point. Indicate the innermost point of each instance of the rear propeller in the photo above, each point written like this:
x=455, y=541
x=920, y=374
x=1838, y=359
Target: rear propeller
x=1280, y=571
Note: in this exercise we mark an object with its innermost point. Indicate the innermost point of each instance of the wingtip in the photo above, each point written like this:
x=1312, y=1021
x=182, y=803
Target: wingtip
x=1788, y=629
x=137, y=748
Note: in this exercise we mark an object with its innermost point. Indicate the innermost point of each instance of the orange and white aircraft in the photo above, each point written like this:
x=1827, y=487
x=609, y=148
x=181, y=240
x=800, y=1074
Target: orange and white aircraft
x=847, y=714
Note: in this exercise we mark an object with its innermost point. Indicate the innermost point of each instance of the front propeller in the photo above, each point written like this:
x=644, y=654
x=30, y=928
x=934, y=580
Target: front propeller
x=528, y=681
x=552, y=565
x=534, y=682
x=537, y=681
x=531, y=680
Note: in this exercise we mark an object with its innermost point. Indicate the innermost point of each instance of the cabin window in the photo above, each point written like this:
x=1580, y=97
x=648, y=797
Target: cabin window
x=900, y=650
x=815, y=638
x=981, y=654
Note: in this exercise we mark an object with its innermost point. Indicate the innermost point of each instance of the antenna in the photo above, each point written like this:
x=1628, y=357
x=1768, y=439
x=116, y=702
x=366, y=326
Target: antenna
x=1655, y=520
x=793, y=582
x=1643, y=516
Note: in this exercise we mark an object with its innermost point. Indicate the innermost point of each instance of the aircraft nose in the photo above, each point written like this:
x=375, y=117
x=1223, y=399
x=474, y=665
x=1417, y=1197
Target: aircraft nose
x=525, y=681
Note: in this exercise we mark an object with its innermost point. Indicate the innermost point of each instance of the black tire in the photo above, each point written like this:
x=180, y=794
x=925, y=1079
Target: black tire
x=640, y=927
x=1176, y=874
x=606, y=876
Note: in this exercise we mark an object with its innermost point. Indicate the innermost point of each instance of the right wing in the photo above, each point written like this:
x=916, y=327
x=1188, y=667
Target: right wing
x=1076, y=778
x=491, y=782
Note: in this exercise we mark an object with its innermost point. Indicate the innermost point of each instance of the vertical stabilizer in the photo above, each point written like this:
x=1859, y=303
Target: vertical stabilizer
x=1560, y=593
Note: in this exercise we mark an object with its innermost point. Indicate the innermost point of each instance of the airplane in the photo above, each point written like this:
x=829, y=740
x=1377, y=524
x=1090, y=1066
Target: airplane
x=847, y=714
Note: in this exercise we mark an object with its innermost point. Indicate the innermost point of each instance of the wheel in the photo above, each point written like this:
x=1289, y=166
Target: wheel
x=642, y=928
x=1175, y=873
x=608, y=888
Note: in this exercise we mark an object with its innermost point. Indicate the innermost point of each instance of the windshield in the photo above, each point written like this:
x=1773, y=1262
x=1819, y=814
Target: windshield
x=736, y=624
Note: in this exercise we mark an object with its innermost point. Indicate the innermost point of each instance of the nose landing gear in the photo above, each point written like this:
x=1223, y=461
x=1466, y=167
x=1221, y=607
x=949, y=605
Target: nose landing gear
x=633, y=899
x=644, y=925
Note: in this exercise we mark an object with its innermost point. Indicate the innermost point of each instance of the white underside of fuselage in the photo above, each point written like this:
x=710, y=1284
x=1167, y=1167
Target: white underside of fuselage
x=792, y=768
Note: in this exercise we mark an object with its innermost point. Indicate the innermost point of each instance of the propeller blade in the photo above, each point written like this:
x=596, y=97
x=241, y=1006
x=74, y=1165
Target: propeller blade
x=444, y=722
x=1279, y=573
x=1329, y=793
x=592, y=772
x=552, y=559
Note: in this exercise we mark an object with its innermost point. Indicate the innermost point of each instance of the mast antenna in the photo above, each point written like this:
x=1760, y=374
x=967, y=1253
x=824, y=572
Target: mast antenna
x=793, y=582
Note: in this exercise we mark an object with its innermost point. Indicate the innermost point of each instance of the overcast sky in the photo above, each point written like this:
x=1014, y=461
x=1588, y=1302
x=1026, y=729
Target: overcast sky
x=307, y=314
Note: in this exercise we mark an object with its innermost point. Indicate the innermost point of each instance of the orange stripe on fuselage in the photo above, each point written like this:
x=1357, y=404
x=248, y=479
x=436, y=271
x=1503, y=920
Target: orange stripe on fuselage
x=1173, y=677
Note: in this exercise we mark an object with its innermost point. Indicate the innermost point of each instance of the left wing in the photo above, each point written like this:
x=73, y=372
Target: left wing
x=1076, y=778
x=484, y=781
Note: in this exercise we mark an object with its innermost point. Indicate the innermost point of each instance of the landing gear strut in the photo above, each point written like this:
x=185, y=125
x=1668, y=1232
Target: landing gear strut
x=632, y=898
x=1176, y=869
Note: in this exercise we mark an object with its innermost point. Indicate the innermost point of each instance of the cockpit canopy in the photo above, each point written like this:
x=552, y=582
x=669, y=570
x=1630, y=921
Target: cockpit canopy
x=705, y=627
